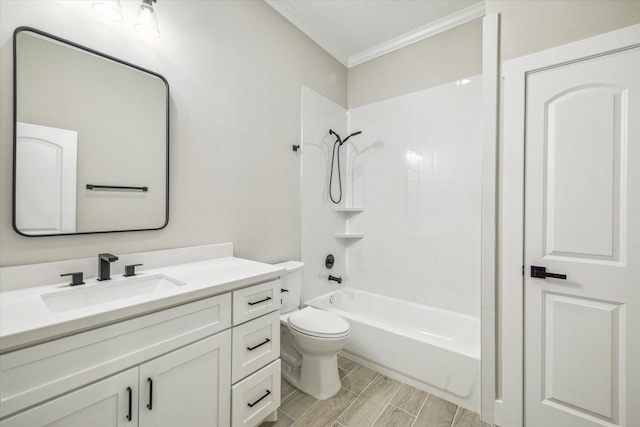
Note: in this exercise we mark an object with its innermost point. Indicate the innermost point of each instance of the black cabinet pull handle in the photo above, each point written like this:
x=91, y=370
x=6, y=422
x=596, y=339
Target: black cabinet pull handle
x=150, y=404
x=115, y=187
x=541, y=273
x=284, y=290
x=256, y=346
x=251, y=405
x=258, y=302
x=130, y=403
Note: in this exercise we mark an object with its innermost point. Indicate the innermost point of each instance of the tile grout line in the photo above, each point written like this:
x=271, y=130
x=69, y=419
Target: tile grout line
x=345, y=409
x=453, y=421
x=406, y=412
x=282, y=399
x=420, y=410
x=387, y=404
x=280, y=408
x=385, y=407
x=304, y=413
x=354, y=400
x=366, y=387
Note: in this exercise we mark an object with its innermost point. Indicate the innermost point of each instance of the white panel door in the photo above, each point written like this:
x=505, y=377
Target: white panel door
x=188, y=387
x=111, y=402
x=582, y=220
x=46, y=169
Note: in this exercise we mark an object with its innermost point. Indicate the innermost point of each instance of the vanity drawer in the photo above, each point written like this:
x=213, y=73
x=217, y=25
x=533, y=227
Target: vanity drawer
x=255, y=397
x=254, y=301
x=40, y=372
x=255, y=344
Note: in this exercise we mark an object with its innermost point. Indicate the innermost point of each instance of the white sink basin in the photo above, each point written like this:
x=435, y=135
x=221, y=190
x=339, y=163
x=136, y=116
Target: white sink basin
x=102, y=292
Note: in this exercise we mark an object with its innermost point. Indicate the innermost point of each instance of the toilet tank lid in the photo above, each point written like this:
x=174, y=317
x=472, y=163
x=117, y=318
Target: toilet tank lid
x=291, y=266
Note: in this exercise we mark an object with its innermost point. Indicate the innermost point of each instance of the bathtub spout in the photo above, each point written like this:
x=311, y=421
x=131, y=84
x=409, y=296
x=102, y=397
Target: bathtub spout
x=335, y=279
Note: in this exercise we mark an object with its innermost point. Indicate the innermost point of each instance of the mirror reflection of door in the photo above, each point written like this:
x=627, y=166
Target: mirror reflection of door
x=46, y=168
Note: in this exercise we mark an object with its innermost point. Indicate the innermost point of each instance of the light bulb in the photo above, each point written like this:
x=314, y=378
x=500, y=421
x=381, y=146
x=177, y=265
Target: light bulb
x=147, y=21
x=110, y=9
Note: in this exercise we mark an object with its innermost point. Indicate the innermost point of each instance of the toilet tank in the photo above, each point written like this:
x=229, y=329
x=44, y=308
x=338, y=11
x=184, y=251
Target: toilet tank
x=291, y=285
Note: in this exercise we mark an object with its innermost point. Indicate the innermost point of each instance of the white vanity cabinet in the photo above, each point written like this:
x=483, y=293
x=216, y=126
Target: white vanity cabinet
x=189, y=386
x=185, y=351
x=255, y=393
x=205, y=353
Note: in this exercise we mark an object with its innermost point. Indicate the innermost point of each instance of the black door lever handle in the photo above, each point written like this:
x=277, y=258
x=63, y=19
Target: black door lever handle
x=541, y=273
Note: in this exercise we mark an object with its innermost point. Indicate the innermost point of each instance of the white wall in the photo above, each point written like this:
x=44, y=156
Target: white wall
x=528, y=26
x=319, y=220
x=234, y=70
x=450, y=55
x=416, y=171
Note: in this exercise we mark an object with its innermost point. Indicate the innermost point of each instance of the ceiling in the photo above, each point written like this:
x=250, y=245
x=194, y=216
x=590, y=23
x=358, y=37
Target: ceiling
x=356, y=31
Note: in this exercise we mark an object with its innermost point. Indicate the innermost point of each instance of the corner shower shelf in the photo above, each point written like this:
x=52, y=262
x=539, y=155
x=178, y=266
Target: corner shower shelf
x=348, y=236
x=351, y=210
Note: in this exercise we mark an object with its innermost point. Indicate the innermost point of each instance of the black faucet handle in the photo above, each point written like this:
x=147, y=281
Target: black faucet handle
x=130, y=270
x=76, y=278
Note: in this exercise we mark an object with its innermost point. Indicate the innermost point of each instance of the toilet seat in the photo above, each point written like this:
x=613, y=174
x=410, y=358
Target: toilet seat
x=318, y=323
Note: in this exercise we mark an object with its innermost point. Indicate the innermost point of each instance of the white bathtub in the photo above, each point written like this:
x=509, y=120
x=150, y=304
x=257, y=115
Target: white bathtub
x=430, y=348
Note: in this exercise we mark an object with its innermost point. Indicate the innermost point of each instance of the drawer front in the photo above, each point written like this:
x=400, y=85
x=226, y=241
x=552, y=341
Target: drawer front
x=255, y=301
x=255, y=397
x=40, y=372
x=255, y=344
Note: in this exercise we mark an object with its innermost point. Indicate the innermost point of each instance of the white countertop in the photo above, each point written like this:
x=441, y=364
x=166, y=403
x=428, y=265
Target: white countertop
x=25, y=319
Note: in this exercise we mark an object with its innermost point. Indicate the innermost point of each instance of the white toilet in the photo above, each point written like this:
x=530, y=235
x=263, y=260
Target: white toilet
x=309, y=339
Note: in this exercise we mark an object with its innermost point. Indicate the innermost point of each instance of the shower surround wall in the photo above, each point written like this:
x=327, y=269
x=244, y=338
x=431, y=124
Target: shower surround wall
x=416, y=171
x=319, y=221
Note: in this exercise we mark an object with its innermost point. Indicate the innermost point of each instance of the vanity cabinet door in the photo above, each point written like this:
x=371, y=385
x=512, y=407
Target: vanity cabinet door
x=188, y=387
x=111, y=402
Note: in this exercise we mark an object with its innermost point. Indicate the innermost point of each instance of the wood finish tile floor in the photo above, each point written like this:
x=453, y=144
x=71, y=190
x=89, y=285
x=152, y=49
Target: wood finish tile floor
x=370, y=399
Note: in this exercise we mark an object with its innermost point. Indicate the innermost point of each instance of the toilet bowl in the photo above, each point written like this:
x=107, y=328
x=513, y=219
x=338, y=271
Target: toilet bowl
x=310, y=340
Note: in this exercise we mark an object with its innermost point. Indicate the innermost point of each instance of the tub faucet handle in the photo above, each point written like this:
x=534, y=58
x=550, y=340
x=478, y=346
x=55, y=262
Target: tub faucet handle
x=335, y=278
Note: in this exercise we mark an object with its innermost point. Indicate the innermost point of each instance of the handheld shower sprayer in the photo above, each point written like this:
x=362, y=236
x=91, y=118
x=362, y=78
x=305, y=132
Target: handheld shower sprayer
x=340, y=140
x=353, y=134
x=338, y=144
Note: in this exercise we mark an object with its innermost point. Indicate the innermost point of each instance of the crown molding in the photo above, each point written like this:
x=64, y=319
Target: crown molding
x=462, y=17
x=289, y=12
x=285, y=8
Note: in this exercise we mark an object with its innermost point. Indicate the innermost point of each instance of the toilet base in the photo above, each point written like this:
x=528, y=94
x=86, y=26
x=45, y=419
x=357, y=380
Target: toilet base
x=318, y=376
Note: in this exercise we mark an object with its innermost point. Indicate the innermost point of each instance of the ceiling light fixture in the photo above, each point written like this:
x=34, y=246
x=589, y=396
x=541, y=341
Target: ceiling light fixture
x=147, y=20
x=109, y=9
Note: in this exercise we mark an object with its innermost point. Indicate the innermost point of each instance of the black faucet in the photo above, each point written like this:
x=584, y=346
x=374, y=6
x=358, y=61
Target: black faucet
x=104, y=266
x=335, y=279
